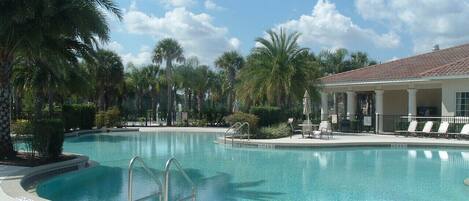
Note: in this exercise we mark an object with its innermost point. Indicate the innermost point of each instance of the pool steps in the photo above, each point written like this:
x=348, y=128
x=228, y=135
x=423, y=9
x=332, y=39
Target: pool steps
x=162, y=191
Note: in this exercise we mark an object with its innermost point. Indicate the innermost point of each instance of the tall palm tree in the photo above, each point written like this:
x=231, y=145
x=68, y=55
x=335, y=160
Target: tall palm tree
x=168, y=50
x=108, y=74
x=277, y=72
x=151, y=75
x=69, y=28
x=201, y=84
x=231, y=62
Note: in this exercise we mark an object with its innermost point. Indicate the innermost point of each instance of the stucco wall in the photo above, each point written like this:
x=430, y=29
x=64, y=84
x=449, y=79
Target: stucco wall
x=449, y=89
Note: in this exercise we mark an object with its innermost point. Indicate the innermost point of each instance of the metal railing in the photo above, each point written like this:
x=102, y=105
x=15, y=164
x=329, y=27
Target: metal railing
x=233, y=127
x=237, y=128
x=166, y=180
x=148, y=171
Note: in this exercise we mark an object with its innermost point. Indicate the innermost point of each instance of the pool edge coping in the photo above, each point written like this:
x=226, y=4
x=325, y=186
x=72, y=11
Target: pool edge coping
x=264, y=144
x=13, y=184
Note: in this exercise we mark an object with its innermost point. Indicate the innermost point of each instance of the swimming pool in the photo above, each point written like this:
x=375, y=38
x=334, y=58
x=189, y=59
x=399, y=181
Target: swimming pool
x=225, y=173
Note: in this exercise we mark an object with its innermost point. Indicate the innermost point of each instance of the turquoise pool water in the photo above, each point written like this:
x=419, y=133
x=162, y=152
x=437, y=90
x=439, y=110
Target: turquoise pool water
x=226, y=173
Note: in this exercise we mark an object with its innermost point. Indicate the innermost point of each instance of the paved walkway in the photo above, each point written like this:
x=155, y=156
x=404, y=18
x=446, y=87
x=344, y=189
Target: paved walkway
x=354, y=140
x=5, y=171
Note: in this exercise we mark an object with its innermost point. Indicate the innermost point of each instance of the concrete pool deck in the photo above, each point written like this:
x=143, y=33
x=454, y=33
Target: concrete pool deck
x=340, y=140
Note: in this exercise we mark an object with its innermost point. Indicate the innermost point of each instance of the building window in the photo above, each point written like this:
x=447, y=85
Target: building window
x=462, y=104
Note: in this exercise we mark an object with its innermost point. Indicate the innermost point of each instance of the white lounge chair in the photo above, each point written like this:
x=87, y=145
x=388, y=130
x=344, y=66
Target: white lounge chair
x=427, y=128
x=325, y=128
x=411, y=129
x=464, y=132
x=442, y=130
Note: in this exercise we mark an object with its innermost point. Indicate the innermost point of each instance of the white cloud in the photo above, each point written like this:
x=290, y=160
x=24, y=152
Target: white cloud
x=326, y=27
x=114, y=46
x=143, y=57
x=178, y=3
x=196, y=32
x=428, y=22
x=211, y=5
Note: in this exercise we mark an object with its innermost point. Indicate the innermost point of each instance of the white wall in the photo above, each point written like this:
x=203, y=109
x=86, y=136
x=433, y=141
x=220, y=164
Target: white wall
x=449, y=89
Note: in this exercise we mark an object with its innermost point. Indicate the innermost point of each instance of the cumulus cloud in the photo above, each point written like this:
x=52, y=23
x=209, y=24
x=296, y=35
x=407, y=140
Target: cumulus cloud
x=211, y=5
x=178, y=3
x=196, y=32
x=428, y=22
x=328, y=28
x=143, y=57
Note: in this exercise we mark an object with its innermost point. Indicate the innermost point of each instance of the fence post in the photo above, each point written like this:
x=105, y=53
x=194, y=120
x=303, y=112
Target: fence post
x=377, y=123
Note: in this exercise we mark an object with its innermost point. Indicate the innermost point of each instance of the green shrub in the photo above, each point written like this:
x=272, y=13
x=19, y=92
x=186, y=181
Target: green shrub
x=243, y=117
x=23, y=130
x=100, y=119
x=200, y=123
x=48, y=137
x=267, y=115
x=113, y=118
x=78, y=116
x=272, y=132
x=22, y=127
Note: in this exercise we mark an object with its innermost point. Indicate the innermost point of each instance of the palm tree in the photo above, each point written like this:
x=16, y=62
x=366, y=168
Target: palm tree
x=168, y=50
x=231, y=62
x=108, y=75
x=277, y=72
x=151, y=75
x=67, y=28
x=201, y=81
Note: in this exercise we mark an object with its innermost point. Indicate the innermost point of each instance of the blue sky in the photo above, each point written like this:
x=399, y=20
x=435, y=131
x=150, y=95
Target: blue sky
x=386, y=30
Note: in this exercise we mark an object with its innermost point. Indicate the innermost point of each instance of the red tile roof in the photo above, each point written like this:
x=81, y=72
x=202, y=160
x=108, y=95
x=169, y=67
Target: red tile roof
x=445, y=62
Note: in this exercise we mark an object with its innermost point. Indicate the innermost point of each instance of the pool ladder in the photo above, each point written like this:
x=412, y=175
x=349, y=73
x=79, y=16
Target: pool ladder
x=237, y=128
x=162, y=190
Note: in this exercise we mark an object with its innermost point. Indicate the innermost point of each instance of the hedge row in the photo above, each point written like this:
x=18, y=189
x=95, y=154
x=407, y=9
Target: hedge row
x=268, y=115
x=80, y=116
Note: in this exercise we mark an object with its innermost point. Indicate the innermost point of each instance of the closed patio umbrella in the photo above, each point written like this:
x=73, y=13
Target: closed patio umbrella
x=307, y=106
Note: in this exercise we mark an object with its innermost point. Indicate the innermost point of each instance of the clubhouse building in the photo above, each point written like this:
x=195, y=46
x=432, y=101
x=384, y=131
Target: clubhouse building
x=434, y=84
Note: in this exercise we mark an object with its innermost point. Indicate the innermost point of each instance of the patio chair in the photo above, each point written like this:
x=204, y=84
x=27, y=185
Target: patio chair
x=411, y=129
x=464, y=132
x=427, y=129
x=442, y=130
x=293, y=130
x=325, y=128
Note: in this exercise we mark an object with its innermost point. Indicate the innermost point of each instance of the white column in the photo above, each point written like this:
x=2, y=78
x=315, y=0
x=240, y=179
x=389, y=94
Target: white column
x=379, y=110
x=351, y=104
x=412, y=102
x=324, y=106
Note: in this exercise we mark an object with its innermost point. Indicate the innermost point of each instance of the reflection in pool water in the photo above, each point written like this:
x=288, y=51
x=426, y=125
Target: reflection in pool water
x=225, y=173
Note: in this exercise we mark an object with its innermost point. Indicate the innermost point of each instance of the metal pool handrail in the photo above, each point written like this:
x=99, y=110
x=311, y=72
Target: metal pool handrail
x=239, y=129
x=148, y=171
x=166, y=180
x=232, y=127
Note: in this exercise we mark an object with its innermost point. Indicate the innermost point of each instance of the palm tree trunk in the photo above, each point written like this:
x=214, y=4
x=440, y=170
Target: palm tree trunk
x=6, y=145
x=170, y=94
x=50, y=98
x=38, y=103
x=199, y=104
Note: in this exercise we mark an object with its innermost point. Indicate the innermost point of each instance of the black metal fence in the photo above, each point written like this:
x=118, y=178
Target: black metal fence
x=392, y=123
